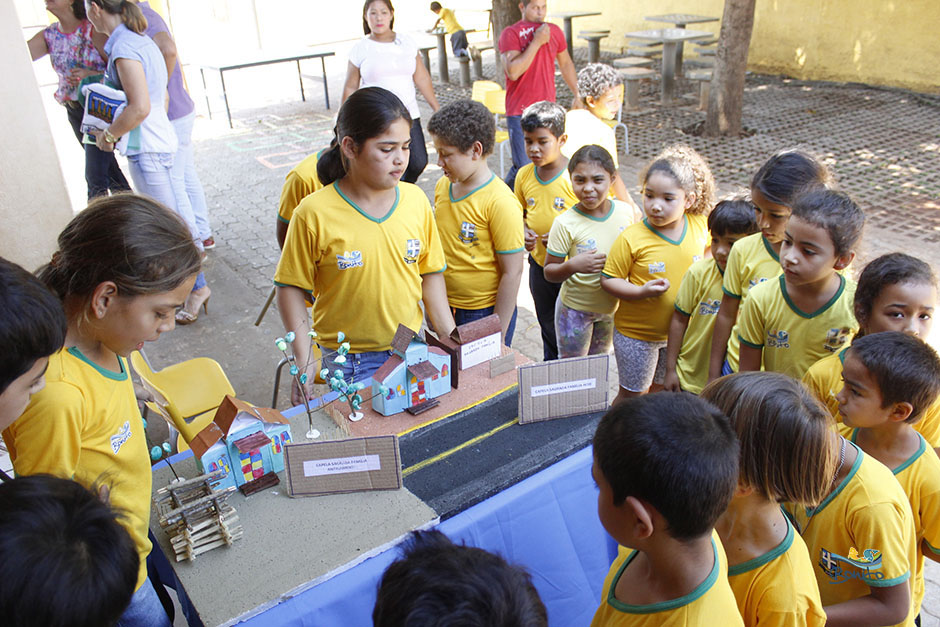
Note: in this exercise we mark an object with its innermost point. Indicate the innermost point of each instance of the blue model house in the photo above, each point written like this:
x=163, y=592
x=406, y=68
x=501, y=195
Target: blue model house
x=244, y=441
x=414, y=374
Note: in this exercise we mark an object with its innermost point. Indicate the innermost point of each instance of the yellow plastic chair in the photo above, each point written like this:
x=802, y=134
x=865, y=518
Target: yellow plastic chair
x=495, y=101
x=188, y=393
x=480, y=88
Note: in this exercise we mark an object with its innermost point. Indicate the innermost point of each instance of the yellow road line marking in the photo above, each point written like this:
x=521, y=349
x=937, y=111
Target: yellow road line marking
x=433, y=460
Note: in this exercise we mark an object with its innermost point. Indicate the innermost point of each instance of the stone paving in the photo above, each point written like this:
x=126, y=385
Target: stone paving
x=882, y=145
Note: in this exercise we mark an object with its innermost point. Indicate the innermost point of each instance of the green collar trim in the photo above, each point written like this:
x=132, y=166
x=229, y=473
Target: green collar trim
x=842, y=355
x=770, y=249
x=609, y=213
x=110, y=374
x=363, y=213
x=535, y=171
x=913, y=458
x=810, y=511
x=821, y=310
x=767, y=557
x=685, y=228
x=663, y=606
x=450, y=189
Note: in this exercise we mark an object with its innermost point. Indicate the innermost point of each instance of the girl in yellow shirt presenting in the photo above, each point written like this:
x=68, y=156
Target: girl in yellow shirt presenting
x=125, y=265
x=648, y=259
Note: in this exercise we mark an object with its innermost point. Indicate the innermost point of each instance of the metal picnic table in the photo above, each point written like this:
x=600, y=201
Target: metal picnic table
x=567, y=16
x=221, y=68
x=669, y=37
x=680, y=20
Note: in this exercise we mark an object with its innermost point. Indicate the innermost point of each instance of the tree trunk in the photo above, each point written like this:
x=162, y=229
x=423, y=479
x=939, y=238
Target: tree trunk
x=505, y=12
x=725, y=99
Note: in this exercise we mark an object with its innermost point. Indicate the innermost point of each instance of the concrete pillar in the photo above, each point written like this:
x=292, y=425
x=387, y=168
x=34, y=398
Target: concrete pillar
x=34, y=202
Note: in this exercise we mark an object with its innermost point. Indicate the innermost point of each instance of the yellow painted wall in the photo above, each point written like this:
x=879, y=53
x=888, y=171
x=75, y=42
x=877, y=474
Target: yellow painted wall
x=881, y=42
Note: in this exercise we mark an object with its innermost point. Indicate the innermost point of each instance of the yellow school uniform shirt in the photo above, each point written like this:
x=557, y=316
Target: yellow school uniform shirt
x=699, y=298
x=824, y=379
x=300, y=182
x=641, y=254
x=710, y=603
x=778, y=589
x=867, y=511
x=85, y=425
x=474, y=229
x=574, y=233
x=450, y=21
x=919, y=477
x=542, y=202
x=752, y=261
x=364, y=271
x=793, y=340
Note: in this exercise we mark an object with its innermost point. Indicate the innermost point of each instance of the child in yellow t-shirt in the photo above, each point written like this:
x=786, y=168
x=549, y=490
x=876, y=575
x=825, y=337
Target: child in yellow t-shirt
x=756, y=258
x=791, y=322
x=366, y=244
x=890, y=380
x=32, y=327
x=693, y=319
x=458, y=36
x=124, y=266
x=543, y=187
x=299, y=183
x=769, y=567
x=671, y=568
x=584, y=313
x=896, y=292
x=647, y=262
x=478, y=218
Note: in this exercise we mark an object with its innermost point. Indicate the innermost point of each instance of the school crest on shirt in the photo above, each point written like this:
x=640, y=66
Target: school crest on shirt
x=836, y=339
x=412, y=250
x=778, y=339
x=468, y=232
x=865, y=566
x=696, y=258
x=657, y=267
x=530, y=202
x=753, y=282
x=589, y=245
x=122, y=436
x=559, y=203
x=349, y=259
x=708, y=307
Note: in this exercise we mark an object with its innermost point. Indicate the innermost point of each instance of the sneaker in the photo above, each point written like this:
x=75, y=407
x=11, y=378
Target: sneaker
x=208, y=243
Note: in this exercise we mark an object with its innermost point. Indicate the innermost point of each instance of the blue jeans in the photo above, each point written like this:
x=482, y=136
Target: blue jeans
x=145, y=609
x=726, y=368
x=463, y=316
x=544, y=295
x=190, y=197
x=358, y=366
x=517, y=143
x=152, y=176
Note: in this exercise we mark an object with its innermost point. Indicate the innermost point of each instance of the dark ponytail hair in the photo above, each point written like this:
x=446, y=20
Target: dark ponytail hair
x=130, y=13
x=134, y=241
x=788, y=174
x=592, y=153
x=367, y=113
x=78, y=9
x=365, y=9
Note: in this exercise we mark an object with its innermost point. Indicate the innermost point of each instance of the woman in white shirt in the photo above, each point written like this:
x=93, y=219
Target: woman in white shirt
x=386, y=59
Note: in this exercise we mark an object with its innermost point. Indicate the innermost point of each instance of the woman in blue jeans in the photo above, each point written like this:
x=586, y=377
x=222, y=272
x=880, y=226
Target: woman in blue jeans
x=136, y=66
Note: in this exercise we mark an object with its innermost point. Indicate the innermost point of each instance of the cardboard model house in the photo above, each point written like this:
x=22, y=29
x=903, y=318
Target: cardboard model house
x=243, y=441
x=413, y=374
x=478, y=341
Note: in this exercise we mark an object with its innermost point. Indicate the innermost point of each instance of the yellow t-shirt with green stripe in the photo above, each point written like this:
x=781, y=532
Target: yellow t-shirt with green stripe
x=641, y=254
x=710, y=603
x=542, y=202
x=85, y=425
x=793, y=340
x=474, y=229
x=824, y=379
x=574, y=233
x=919, y=477
x=300, y=182
x=699, y=298
x=867, y=515
x=752, y=261
x=364, y=271
x=778, y=589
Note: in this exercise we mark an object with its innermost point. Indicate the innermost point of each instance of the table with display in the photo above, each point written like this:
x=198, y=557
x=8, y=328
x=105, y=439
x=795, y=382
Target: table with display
x=566, y=17
x=680, y=20
x=516, y=489
x=670, y=38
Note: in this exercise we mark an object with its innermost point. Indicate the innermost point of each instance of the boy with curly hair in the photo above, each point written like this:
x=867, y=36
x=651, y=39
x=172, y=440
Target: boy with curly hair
x=478, y=218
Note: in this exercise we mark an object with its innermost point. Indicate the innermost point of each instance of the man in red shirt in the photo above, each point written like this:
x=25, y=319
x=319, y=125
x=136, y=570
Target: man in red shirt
x=529, y=50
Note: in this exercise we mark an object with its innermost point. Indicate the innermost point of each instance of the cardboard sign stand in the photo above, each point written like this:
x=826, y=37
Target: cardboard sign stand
x=564, y=387
x=340, y=466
